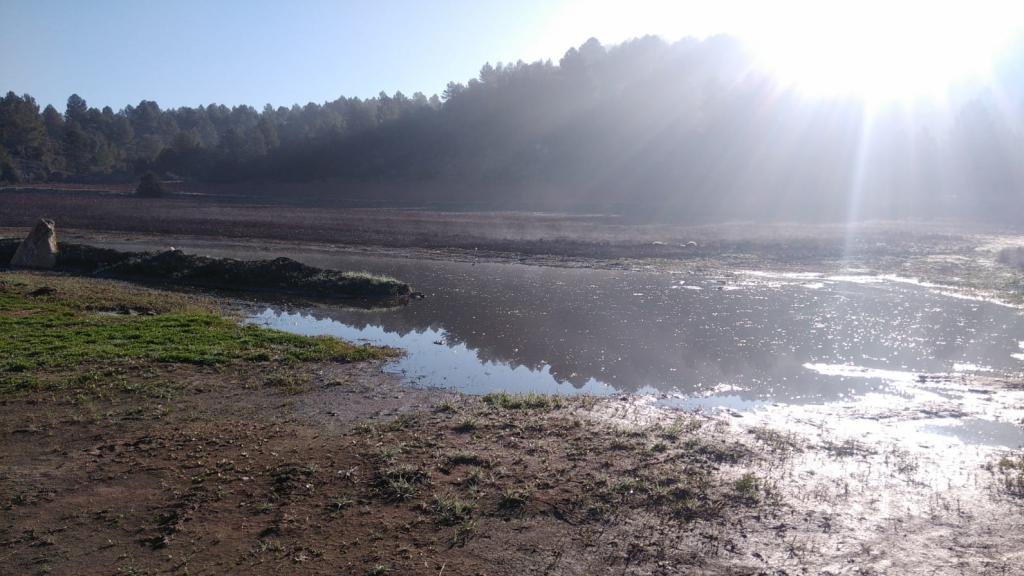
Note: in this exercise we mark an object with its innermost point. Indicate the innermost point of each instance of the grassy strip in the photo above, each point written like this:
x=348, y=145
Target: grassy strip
x=65, y=326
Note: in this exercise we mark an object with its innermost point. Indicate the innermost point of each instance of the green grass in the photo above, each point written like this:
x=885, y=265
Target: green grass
x=1011, y=468
x=61, y=331
x=450, y=510
x=401, y=482
x=467, y=425
x=506, y=401
x=748, y=487
x=513, y=499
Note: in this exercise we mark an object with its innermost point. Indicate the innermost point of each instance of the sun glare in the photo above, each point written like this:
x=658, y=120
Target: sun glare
x=882, y=51
x=894, y=50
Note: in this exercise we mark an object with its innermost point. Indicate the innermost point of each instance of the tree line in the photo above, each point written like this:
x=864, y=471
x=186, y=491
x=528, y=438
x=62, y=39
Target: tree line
x=688, y=128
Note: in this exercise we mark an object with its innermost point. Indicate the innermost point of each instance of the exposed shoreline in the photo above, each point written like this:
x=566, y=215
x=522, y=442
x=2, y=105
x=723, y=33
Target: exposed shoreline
x=171, y=267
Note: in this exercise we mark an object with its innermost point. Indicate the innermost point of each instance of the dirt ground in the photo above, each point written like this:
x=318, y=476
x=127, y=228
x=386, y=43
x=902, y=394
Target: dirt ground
x=360, y=475
x=561, y=239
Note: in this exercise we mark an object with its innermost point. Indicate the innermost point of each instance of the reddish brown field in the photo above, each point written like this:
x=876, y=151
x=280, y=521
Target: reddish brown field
x=483, y=234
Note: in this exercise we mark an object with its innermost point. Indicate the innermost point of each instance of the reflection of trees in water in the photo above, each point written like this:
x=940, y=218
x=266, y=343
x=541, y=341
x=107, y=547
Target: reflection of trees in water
x=632, y=330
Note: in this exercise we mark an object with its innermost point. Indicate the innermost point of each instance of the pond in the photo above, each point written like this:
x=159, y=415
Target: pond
x=756, y=336
x=736, y=340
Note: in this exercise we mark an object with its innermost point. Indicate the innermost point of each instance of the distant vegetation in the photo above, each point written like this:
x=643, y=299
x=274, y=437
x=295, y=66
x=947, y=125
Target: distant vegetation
x=150, y=186
x=685, y=129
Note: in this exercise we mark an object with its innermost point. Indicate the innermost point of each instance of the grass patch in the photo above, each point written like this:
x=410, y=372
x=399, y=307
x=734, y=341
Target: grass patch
x=776, y=440
x=450, y=510
x=506, y=401
x=467, y=425
x=290, y=383
x=61, y=331
x=748, y=487
x=513, y=500
x=463, y=532
x=1011, y=472
x=399, y=483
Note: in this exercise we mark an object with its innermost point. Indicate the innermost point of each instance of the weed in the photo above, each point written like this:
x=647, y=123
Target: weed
x=628, y=486
x=339, y=504
x=506, y=401
x=62, y=332
x=775, y=440
x=1012, y=470
x=449, y=510
x=401, y=482
x=289, y=382
x=268, y=546
x=748, y=487
x=474, y=478
x=513, y=500
x=467, y=424
x=463, y=532
x=446, y=407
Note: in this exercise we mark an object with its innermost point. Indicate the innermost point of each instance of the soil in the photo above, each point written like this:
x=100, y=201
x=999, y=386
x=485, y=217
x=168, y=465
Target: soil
x=279, y=276
x=562, y=239
x=233, y=475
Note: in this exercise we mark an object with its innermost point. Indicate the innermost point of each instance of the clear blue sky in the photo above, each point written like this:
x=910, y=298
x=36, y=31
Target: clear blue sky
x=186, y=53
x=252, y=52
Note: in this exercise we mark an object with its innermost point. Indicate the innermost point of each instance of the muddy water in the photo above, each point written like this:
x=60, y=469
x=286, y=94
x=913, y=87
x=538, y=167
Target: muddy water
x=734, y=339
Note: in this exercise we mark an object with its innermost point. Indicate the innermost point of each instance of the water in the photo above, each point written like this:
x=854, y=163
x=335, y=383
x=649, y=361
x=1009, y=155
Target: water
x=853, y=347
x=748, y=338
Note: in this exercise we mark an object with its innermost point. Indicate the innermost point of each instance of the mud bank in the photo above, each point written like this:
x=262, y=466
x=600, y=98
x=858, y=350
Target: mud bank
x=280, y=275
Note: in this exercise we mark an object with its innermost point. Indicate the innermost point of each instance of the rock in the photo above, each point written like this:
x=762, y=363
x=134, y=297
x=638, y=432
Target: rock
x=39, y=249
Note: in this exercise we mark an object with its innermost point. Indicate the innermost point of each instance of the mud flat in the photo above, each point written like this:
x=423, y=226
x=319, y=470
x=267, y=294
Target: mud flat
x=555, y=238
x=280, y=275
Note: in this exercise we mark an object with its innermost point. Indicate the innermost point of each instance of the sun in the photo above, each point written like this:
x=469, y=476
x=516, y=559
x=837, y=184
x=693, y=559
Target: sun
x=881, y=51
x=876, y=50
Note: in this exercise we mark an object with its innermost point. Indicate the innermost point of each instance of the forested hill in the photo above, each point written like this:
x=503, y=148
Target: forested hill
x=688, y=129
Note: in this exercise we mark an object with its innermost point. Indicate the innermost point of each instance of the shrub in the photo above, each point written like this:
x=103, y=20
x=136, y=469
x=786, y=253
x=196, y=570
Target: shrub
x=150, y=186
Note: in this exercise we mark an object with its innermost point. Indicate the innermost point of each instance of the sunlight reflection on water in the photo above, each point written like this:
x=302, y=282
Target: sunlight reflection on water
x=740, y=342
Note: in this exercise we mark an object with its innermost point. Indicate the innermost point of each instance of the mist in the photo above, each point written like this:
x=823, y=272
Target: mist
x=690, y=131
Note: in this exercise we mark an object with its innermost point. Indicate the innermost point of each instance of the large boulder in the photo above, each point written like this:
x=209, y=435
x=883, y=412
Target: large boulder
x=39, y=249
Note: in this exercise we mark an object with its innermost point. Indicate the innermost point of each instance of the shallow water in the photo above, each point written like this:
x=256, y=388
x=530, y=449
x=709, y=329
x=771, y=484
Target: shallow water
x=740, y=340
x=509, y=327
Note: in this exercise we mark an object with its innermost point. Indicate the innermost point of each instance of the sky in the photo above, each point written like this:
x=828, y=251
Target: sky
x=188, y=52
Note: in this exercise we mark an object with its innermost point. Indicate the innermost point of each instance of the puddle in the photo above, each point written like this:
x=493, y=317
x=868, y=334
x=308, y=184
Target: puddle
x=873, y=349
x=876, y=349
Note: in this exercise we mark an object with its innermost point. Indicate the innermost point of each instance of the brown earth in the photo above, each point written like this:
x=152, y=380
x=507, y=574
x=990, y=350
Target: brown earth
x=564, y=238
x=235, y=471
x=359, y=475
